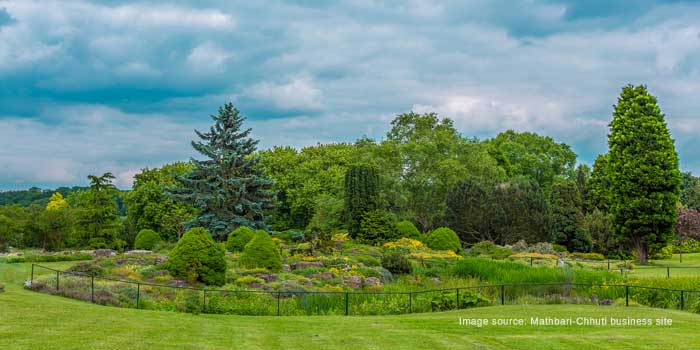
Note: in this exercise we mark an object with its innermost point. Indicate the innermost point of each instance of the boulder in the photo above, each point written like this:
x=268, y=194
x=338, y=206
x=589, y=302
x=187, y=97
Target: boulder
x=177, y=283
x=326, y=276
x=306, y=264
x=286, y=268
x=132, y=261
x=353, y=282
x=159, y=260
x=606, y=302
x=138, y=251
x=372, y=281
x=267, y=277
x=103, y=252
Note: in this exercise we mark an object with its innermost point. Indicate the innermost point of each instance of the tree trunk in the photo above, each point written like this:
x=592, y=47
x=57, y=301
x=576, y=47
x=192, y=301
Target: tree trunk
x=641, y=249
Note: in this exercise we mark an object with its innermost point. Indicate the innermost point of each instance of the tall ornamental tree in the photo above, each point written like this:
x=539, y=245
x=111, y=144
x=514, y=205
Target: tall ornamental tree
x=96, y=214
x=226, y=187
x=567, y=217
x=643, y=173
x=361, y=195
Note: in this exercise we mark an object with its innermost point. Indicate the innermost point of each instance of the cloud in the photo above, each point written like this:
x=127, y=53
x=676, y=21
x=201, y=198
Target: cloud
x=295, y=94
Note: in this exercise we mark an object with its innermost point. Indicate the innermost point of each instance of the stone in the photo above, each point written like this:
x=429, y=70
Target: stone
x=353, y=281
x=103, y=252
x=606, y=302
x=326, y=276
x=594, y=299
x=305, y=265
x=130, y=261
x=177, y=283
x=255, y=285
x=267, y=277
x=159, y=260
x=286, y=268
x=138, y=251
x=372, y=281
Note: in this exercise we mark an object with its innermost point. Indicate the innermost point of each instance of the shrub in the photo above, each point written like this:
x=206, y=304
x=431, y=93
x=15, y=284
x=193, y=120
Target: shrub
x=490, y=249
x=146, y=239
x=248, y=280
x=261, y=251
x=396, y=263
x=443, y=238
x=88, y=268
x=665, y=253
x=196, y=257
x=589, y=256
x=237, y=239
x=406, y=229
x=559, y=248
x=47, y=258
x=689, y=245
x=376, y=228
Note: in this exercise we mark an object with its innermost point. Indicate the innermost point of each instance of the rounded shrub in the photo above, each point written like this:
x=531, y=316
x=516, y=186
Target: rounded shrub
x=196, y=257
x=238, y=238
x=443, y=238
x=407, y=229
x=146, y=239
x=376, y=227
x=396, y=263
x=261, y=251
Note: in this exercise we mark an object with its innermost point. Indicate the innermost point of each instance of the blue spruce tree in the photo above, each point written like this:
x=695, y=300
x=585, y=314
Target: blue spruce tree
x=225, y=187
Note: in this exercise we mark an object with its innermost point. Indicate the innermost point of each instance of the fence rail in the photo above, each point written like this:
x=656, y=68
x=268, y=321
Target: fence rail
x=144, y=295
x=609, y=264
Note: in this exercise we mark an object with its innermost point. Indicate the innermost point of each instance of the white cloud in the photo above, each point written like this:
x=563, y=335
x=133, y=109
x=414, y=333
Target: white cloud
x=297, y=93
x=208, y=58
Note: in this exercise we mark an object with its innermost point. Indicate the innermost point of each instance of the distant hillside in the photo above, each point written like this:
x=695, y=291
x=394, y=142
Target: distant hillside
x=33, y=195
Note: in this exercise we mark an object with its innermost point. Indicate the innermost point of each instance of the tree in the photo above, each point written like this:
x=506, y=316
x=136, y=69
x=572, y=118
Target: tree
x=429, y=158
x=226, y=188
x=377, y=227
x=643, y=173
x=56, y=202
x=149, y=207
x=688, y=223
x=567, y=217
x=599, y=186
x=690, y=191
x=539, y=158
x=8, y=232
x=96, y=213
x=361, y=195
x=599, y=226
x=583, y=177
x=146, y=239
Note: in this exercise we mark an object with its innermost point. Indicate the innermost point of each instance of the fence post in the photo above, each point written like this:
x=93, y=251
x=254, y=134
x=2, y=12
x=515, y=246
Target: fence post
x=31, y=280
x=204, y=301
x=92, y=289
x=57, y=280
x=530, y=261
x=410, y=302
x=278, y=303
x=668, y=272
x=682, y=301
x=621, y=274
x=503, y=294
x=138, y=294
x=627, y=295
x=608, y=264
x=457, y=305
x=347, y=309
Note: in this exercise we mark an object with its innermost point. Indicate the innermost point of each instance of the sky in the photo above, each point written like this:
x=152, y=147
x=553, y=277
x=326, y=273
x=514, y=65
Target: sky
x=88, y=87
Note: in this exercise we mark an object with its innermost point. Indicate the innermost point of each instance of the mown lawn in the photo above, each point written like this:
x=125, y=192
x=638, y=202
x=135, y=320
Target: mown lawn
x=690, y=267
x=31, y=320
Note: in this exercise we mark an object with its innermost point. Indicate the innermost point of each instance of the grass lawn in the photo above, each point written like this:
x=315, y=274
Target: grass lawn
x=655, y=268
x=31, y=320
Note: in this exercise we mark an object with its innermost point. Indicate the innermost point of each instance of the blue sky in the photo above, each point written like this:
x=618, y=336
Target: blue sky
x=88, y=87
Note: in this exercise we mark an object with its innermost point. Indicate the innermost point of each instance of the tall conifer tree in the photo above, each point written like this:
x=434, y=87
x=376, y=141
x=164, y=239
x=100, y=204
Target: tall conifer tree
x=361, y=195
x=642, y=172
x=226, y=187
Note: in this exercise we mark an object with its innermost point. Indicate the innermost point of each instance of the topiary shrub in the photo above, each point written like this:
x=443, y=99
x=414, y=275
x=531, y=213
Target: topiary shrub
x=376, y=228
x=407, y=229
x=196, y=257
x=396, y=263
x=443, y=238
x=237, y=239
x=261, y=251
x=146, y=239
x=489, y=248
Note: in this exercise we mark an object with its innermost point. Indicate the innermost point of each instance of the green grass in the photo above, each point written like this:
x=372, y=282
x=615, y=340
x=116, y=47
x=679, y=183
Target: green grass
x=31, y=320
x=655, y=268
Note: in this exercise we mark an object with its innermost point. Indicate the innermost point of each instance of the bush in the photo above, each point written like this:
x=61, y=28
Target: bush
x=589, y=256
x=237, y=239
x=376, y=228
x=488, y=248
x=47, y=258
x=443, y=238
x=665, y=253
x=88, y=268
x=146, y=239
x=406, y=229
x=396, y=263
x=196, y=257
x=689, y=245
x=261, y=251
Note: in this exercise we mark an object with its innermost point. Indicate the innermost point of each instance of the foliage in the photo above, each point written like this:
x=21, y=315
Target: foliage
x=643, y=173
x=376, y=227
x=443, y=238
x=238, y=238
x=496, y=271
x=688, y=223
x=481, y=210
x=567, y=217
x=34, y=196
x=56, y=202
x=406, y=229
x=361, y=195
x=227, y=188
x=664, y=253
x=196, y=257
x=690, y=190
x=261, y=251
x=146, y=239
x=96, y=212
x=488, y=248
x=8, y=229
x=396, y=263
x=599, y=226
x=47, y=257
x=588, y=256
x=598, y=190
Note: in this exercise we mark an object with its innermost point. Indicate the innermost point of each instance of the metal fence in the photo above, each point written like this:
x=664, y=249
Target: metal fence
x=615, y=265
x=140, y=295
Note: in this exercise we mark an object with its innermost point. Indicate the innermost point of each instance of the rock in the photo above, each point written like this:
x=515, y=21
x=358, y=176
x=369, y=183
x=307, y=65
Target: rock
x=177, y=283
x=435, y=279
x=130, y=261
x=159, y=260
x=326, y=276
x=306, y=264
x=372, y=281
x=560, y=262
x=103, y=252
x=255, y=285
x=346, y=267
x=606, y=302
x=353, y=281
x=286, y=268
x=138, y=251
x=267, y=277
